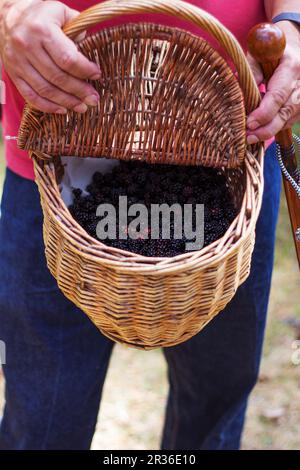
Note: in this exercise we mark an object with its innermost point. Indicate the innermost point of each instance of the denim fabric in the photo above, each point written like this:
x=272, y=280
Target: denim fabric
x=57, y=360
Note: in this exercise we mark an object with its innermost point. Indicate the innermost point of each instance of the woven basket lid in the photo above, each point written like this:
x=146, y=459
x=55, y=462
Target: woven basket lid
x=166, y=96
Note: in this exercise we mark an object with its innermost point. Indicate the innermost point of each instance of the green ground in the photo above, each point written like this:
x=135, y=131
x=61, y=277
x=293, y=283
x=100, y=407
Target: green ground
x=134, y=395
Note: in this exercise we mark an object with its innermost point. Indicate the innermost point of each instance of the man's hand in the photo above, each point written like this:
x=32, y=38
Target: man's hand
x=280, y=107
x=45, y=65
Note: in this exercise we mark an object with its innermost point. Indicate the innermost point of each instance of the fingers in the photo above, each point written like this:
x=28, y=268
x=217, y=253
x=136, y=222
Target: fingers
x=71, y=13
x=278, y=92
x=46, y=89
x=280, y=106
x=80, y=36
x=256, y=69
x=49, y=70
x=82, y=91
x=35, y=100
x=286, y=117
x=66, y=56
x=292, y=121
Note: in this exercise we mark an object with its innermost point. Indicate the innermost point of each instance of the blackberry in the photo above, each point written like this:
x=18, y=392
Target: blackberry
x=98, y=178
x=132, y=189
x=192, y=200
x=83, y=218
x=216, y=213
x=209, y=238
x=141, y=178
x=90, y=188
x=188, y=191
x=77, y=192
x=175, y=187
x=148, y=184
x=91, y=228
x=230, y=212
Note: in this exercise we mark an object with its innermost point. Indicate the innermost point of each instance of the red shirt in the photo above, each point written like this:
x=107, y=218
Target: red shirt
x=237, y=15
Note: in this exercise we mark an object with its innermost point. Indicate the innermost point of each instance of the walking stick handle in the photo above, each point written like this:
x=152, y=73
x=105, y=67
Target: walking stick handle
x=266, y=44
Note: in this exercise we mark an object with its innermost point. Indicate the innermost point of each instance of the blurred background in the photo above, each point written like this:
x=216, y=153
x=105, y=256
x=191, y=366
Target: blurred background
x=133, y=403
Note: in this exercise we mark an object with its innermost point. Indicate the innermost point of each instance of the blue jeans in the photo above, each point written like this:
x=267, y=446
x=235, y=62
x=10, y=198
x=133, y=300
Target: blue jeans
x=56, y=359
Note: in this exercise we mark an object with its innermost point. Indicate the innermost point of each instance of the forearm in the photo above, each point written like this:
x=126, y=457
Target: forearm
x=275, y=7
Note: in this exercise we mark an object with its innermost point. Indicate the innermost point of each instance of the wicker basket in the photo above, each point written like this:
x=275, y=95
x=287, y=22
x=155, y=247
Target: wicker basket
x=188, y=109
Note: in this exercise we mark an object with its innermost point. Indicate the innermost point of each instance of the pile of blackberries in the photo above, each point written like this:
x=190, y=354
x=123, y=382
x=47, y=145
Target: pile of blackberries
x=156, y=184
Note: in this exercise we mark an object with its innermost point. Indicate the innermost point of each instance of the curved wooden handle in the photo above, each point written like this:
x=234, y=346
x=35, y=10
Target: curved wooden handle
x=180, y=9
x=266, y=43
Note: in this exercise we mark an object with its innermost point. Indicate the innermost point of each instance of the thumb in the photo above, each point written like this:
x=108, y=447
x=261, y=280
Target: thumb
x=71, y=13
x=256, y=69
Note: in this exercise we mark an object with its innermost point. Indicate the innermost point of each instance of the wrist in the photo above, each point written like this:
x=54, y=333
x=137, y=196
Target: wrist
x=290, y=29
x=289, y=22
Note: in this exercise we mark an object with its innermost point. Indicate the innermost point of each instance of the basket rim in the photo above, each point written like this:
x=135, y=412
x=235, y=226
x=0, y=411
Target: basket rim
x=36, y=127
x=94, y=250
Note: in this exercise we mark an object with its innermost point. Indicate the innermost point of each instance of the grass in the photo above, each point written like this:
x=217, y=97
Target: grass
x=134, y=395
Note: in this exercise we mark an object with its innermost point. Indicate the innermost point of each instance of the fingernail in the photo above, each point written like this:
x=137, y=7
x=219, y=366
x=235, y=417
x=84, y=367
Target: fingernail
x=80, y=108
x=252, y=125
x=252, y=139
x=96, y=76
x=61, y=111
x=91, y=100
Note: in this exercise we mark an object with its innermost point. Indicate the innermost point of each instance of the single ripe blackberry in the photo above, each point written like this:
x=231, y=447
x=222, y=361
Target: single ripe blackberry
x=133, y=189
x=90, y=227
x=98, y=178
x=216, y=212
x=230, y=212
x=84, y=219
x=77, y=192
x=188, y=191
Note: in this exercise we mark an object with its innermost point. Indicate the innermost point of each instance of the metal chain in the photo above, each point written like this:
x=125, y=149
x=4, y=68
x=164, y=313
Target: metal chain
x=284, y=170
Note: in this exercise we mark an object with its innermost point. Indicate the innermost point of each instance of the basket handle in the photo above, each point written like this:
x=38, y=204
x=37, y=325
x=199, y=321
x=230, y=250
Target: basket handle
x=186, y=11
